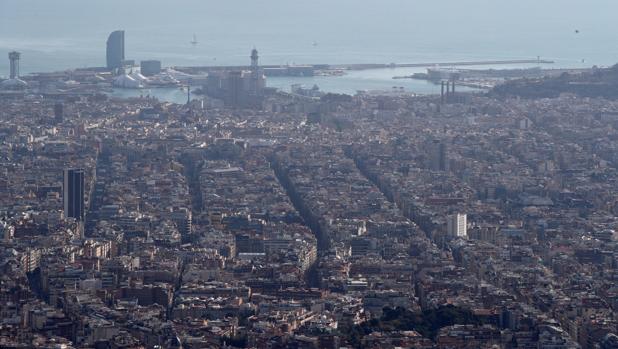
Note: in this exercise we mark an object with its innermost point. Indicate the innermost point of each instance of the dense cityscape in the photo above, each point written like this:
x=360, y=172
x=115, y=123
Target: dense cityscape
x=255, y=218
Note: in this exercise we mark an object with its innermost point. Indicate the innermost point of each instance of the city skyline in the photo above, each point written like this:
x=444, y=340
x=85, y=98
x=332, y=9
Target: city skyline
x=390, y=174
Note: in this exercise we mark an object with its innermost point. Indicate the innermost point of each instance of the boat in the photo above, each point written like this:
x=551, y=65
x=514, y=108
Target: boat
x=194, y=41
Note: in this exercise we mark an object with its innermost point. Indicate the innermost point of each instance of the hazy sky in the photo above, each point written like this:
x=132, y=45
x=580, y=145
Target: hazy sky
x=284, y=29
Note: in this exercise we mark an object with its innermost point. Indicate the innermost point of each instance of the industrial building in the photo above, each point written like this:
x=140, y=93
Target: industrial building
x=150, y=67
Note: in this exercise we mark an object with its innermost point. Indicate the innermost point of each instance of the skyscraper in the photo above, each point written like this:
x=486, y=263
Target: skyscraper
x=73, y=193
x=58, y=113
x=115, y=49
x=438, y=156
x=457, y=225
x=14, y=58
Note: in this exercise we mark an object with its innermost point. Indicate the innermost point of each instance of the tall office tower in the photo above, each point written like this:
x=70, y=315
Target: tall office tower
x=115, y=49
x=73, y=193
x=457, y=225
x=58, y=113
x=438, y=156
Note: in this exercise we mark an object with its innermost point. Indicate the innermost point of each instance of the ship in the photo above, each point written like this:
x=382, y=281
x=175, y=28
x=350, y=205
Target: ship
x=194, y=41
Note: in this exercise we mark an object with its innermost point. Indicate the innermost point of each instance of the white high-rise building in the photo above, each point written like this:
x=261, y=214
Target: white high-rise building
x=457, y=225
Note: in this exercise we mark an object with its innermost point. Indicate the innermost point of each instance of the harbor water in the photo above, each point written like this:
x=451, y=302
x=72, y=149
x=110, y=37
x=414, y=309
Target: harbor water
x=64, y=34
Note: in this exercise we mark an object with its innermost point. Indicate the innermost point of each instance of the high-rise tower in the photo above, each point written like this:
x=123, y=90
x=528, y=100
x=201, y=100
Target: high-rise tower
x=438, y=156
x=73, y=194
x=14, y=61
x=254, y=60
x=115, y=49
x=457, y=225
x=58, y=113
x=257, y=77
x=14, y=82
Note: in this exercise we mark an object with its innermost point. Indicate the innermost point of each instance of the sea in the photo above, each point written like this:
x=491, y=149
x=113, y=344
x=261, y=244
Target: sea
x=64, y=34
